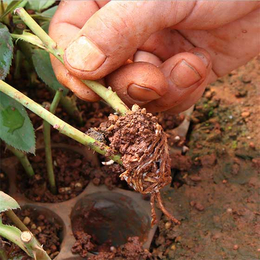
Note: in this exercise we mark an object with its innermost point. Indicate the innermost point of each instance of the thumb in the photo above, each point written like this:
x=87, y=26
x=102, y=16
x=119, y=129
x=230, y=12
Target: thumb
x=114, y=33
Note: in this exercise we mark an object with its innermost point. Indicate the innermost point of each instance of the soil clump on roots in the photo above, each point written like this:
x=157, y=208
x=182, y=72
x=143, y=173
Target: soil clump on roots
x=143, y=145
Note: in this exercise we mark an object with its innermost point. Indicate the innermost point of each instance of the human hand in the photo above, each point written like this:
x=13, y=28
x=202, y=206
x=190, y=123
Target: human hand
x=178, y=47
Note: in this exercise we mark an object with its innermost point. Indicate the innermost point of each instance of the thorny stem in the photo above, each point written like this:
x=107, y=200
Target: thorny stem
x=57, y=123
x=11, y=215
x=23, y=160
x=68, y=103
x=106, y=93
x=34, y=246
x=47, y=142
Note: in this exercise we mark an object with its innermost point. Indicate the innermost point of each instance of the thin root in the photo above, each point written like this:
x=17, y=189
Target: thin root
x=163, y=209
x=153, y=214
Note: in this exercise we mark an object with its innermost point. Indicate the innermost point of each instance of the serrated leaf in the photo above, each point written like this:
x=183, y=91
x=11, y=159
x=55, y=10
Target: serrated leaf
x=42, y=64
x=13, y=234
x=30, y=38
x=40, y=4
x=13, y=5
x=17, y=134
x=7, y=202
x=6, y=51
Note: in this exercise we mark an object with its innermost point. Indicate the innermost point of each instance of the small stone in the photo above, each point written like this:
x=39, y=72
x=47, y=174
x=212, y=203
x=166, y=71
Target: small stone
x=113, y=249
x=192, y=203
x=78, y=186
x=33, y=226
x=40, y=229
x=245, y=114
x=229, y=210
x=177, y=138
x=168, y=225
x=2, y=175
x=173, y=247
x=185, y=149
x=53, y=248
x=208, y=95
x=224, y=181
x=41, y=217
x=235, y=247
x=65, y=190
x=26, y=220
x=195, y=178
x=252, y=145
x=199, y=206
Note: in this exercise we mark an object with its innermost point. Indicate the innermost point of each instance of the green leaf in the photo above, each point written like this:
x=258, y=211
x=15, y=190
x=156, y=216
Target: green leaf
x=7, y=202
x=42, y=64
x=13, y=5
x=6, y=51
x=50, y=12
x=12, y=119
x=20, y=133
x=29, y=37
x=13, y=234
x=38, y=5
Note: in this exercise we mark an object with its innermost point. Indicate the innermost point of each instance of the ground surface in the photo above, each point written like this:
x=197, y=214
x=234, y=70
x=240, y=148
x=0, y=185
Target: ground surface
x=216, y=184
x=217, y=195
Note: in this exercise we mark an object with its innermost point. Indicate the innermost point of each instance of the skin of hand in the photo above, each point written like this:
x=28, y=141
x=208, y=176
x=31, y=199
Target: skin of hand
x=177, y=47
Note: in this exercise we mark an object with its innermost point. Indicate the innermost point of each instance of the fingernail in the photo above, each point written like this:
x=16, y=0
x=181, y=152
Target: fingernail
x=140, y=93
x=183, y=75
x=84, y=55
x=202, y=57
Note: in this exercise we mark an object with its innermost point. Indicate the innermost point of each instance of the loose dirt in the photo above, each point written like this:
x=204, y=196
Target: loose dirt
x=46, y=229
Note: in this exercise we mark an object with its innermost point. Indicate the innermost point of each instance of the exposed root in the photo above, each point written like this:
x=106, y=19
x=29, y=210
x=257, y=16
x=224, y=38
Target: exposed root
x=164, y=210
x=143, y=145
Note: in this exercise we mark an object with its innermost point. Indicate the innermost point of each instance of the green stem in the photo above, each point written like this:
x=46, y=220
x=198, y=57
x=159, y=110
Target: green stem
x=58, y=124
x=34, y=246
x=18, y=223
x=47, y=141
x=106, y=93
x=23, y=160
x=3, y=255
x=18, y=60
x=69, y=104
x=2, y=8
x=12, y=234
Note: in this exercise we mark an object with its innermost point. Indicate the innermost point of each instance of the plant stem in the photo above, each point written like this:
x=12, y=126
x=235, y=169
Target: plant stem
x=34, y=246
x=18, y=60
x=47, y=142
x=69, y=104
x=12, y=234
x=11, y=215
x=58, y=124
x=23, y=160
x=106, y=93
x=3, y=255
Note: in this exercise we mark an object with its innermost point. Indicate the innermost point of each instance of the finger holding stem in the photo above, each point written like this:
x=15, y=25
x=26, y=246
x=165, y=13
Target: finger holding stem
x=105, y=93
